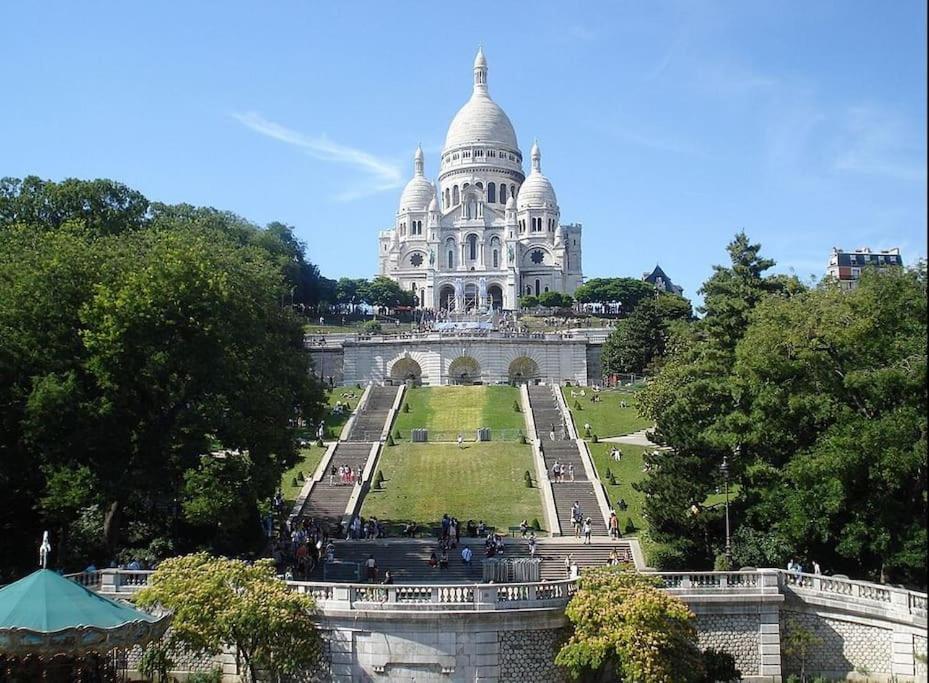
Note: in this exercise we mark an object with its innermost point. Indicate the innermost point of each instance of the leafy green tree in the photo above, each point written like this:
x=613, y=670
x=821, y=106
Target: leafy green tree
x=833, y=414
x=528, y=301
x=555, y=300
x=382, y=292
x=627, y=629
x=627, y=290
x=690, y=399
x=219, y=603
x=348, y=292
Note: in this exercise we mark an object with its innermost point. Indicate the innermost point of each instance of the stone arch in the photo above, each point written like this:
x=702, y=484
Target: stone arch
x=495, y=296
x=523, y=369
x=446, y=297
x=464, y=370
x=406, y=369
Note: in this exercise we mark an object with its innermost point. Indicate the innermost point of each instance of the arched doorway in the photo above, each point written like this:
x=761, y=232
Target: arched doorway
x=447, y=297
x=495, y=296
x=406, y=370
x=470, y=296
x=464, y=370
x=523, y=370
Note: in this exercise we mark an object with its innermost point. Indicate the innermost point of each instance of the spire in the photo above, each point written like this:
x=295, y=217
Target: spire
x=418, y=160
x=480, y=70
x=536, y=157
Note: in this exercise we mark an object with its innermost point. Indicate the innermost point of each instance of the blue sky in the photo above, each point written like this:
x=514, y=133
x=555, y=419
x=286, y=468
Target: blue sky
x=664, y=126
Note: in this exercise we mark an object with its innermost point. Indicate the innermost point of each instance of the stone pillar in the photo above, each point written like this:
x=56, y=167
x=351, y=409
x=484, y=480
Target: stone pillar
x=769, y=643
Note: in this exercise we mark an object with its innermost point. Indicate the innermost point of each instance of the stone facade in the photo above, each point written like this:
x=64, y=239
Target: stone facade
x=846, y=645
x=919, y=649
x=736, y=634
x=530, y=655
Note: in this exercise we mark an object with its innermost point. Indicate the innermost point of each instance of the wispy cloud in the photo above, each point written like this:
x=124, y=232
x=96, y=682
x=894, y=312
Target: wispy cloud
x=381, y=174
x=877, y=142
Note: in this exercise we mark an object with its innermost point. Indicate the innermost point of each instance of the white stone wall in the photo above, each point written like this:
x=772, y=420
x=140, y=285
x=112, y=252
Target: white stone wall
x=530, y=655
x=736, y=634
x=847, y=645
x=558, y=360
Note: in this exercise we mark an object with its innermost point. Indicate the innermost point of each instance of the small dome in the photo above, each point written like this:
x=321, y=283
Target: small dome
x=433, y=205
x=511, y=203
x=537, y=191
x=417, y=194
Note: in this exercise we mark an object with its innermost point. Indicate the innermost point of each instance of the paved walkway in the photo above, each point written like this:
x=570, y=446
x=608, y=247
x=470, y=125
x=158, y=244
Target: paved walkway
x=638, y=438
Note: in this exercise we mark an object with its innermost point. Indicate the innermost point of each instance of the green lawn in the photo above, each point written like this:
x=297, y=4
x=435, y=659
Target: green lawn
x=606, y=417
x=446, y=411
x=309, y=460
x=627, y=471
x=480, y=481
x=334, y=421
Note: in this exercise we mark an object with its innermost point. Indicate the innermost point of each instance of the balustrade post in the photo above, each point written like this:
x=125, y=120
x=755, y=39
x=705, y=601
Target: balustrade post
x=686, y=582
x=533, y=592
x=724, y=581
x=109, y=581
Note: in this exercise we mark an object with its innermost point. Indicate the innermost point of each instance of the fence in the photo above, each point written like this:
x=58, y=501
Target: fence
x=450, y=436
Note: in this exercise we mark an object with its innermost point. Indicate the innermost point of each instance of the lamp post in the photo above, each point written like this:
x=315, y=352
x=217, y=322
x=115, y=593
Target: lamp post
x=725, y=470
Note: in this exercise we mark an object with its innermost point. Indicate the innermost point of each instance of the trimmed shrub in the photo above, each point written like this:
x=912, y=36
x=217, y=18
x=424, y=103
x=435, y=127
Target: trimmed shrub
x=300, y=476
x=535, y=524
x=293, y=482
x=397, y=434
x=577, y=406
x=390, y=440
x=595, y=438
x=378, y=479
x=406, y=407
x=516, y=406
x=629, y=526
x=319, y=442
x=522, y=438
x=721, y=563
x=371, y=327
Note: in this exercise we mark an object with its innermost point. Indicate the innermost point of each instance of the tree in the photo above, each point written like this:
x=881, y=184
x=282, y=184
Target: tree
x=627, y=629
x=348, y=292
x=555, y=300
x=219, y=603
x=691, y=397
x=640, y=341
x=626, y=290
x=528, y=301
x=124, y=357
x=833, y=414
x=382, y=292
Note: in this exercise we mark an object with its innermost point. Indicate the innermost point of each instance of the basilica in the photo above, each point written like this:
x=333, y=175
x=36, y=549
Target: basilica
x=486, y=233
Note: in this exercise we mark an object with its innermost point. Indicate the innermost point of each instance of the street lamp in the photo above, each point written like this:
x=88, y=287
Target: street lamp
x=725, y=470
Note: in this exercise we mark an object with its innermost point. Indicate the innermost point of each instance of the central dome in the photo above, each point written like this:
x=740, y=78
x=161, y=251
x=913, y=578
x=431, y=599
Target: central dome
x=480, y=120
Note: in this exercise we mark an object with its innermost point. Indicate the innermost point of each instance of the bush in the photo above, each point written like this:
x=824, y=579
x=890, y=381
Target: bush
x=609, y=473
x=300, y=476
x=397, y=434
x=378, y=479
x=595, y=438
x=522, y=438
x=577, y=406
x=211, y=676
x=293, y=482
x=535, y=524
x=528, y=483
x=371, y=327
x=319, y=442
x=629, y=526
x=155, y=663
x=722, y=564
x=720, y=666
x=390, y=440
x=668, y=558
x=516, y=407
x=406, y=407
x=587, y=432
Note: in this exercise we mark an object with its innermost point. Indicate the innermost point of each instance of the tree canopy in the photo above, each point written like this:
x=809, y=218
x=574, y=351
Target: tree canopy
x=126, y=354
x=640, y=341
x=218, y=602
x=627, y=290
x=627, y=629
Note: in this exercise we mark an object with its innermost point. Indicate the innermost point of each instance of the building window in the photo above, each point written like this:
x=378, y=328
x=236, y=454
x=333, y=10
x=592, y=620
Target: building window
x=451, y=258
x=528, y=290
x=472, y=247
x=537, y=287
x=537, y=256
x=502, y=193
x=512, y=190
x=491, y=192
x=479, y=184
x=455, y=196
x=416, y=260
x=496, y=259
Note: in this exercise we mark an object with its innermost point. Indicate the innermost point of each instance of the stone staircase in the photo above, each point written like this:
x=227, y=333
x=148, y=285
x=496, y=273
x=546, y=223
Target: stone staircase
x=369, y=423
x=407, y=559
x=546, y=412
x=326, y=504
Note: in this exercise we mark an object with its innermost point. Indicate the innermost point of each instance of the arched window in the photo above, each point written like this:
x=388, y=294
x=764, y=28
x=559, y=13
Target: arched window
x=451, y=258
x=512, y=190
x=465, y=187
x=538, y=285
x=455, y=196
x=448, y=198
x=496, y=259
x=472, y=247
x=502, y=193
x=491, y=192
x=546, y=289
x=528, y=290
x=480, y=185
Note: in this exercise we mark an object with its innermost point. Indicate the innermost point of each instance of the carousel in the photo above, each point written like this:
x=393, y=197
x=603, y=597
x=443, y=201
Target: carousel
x=53, y=629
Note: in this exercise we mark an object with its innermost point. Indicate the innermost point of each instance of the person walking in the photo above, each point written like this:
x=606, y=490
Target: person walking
x=532, y=544
x=587, y=531
x=460, y=441
x=571, y=471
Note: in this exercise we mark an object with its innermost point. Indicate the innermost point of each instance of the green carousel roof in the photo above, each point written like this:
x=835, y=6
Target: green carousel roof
x=45, y=611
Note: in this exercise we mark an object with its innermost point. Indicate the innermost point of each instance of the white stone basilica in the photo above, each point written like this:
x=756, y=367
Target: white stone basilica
x=488, y=234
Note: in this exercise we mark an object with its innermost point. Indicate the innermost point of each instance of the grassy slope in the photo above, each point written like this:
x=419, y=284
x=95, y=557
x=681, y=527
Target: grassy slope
x=627, y=471
x=460, y=409
x=481, y=481
x=606, y=418
x=309, y=459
